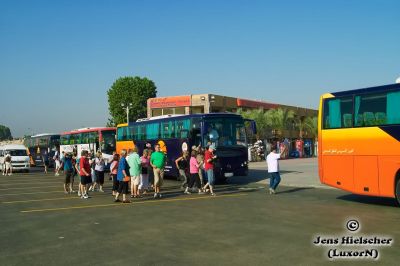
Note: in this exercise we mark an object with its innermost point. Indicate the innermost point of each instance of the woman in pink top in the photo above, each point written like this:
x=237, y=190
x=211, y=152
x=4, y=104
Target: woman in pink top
x=194, y=173
x=144, y=177
x=114, y=171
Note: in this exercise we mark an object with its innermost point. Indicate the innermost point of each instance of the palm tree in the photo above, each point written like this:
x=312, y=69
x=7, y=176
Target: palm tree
x=280, y=119
x=260, y=117
x=311, y=126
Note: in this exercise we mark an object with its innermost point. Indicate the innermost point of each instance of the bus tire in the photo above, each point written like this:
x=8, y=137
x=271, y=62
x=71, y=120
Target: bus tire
x=397, y=191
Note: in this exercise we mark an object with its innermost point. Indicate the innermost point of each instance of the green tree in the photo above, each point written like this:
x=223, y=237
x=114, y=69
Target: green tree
x=5, y=133
x=129, y=90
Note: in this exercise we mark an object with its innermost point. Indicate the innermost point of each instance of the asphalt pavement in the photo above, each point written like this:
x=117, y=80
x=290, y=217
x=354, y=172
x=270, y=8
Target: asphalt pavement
x=242, y=225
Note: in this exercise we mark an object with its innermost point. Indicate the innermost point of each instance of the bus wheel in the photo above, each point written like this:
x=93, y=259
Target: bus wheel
x=398, y=191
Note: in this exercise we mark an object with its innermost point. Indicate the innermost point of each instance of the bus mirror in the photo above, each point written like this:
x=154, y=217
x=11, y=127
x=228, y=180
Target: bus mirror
x=253, y=125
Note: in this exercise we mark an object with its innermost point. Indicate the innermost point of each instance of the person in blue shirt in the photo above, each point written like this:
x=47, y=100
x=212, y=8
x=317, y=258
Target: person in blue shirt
x=123, y=177
x=69, y=171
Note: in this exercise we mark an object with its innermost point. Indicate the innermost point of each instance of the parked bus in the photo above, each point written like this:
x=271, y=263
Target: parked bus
x=40, y=144
x=178, y=133
x=91, y=139
x=359, y=141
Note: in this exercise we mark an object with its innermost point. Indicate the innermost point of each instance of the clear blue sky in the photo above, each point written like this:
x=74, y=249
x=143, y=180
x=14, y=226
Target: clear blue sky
x=59, y=58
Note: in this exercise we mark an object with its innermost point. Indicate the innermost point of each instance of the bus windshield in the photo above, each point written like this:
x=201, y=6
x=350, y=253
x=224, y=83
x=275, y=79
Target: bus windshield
x=108, y=144
x=224, y=132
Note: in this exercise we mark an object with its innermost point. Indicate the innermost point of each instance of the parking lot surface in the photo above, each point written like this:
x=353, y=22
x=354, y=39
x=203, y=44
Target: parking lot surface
x=40, y=225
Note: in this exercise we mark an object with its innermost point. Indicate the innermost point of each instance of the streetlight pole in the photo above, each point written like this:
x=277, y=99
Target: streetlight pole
x=127, y=110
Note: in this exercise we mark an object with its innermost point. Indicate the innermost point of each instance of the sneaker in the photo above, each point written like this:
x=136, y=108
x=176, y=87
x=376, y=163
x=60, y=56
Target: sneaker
x=155, y=195
x=271, y=191
x=201, y=192
x=100, y=190
x=213, y=194
x=117, y=200
x=66, y=192
x=159, y=195
x=79, y=193
x=187, y=192
x=85, y=196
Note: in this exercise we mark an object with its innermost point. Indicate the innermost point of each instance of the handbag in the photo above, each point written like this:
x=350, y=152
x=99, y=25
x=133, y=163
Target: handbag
x=127, y=178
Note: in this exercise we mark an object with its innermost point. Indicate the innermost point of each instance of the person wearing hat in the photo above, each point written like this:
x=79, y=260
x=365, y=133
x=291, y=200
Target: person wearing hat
x=209, y=158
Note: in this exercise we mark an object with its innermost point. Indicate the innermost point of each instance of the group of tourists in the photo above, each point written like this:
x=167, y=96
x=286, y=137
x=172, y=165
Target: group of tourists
x=138, y=174
x=192, y=171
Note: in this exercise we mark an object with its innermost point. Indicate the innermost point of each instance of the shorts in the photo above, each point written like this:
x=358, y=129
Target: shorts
x=46, y=163
x=8, y=165
x=68, y=176
x=123, y=187
x=135, y=180
x=210, y=176
x=86, y=180
x=100, y=177
x=158, y=177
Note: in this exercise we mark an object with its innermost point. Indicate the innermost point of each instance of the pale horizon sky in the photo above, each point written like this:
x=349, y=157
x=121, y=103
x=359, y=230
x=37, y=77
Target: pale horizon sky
x=59, y=58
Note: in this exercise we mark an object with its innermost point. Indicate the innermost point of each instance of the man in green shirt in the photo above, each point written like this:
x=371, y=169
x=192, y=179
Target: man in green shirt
x=135, y=168
x=157, y=161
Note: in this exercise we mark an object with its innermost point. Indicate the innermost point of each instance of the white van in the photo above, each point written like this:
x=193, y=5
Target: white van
x=19, y=157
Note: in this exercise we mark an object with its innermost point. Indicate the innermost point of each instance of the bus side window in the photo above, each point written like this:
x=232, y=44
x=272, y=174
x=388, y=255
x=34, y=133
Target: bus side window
x=333, y=110
x=392, y=105
x=152, y=130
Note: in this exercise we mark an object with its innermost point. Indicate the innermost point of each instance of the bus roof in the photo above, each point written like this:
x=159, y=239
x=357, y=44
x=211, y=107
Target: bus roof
x=44, y=135
x=378, y=89
x=87, y=129
x=172, y=117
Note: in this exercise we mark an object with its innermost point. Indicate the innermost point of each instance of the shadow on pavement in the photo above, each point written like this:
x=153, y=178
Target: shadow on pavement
x=369, y=200
x=294, y=190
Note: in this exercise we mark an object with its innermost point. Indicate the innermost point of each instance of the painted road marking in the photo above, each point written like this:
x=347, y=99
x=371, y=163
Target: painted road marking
x=36, y=200
x=31, y=193
x=135, y=203
x=27, y=188
x=36, y=183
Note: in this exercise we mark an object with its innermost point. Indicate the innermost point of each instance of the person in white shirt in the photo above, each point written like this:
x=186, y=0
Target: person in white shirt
x=273, y=168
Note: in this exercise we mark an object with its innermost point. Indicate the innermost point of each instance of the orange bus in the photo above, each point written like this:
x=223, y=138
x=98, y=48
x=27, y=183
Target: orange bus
x=359, y=141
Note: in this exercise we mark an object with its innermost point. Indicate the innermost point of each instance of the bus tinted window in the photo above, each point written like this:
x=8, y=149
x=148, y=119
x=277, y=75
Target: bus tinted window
x=43, y=142
x=108, y=144
x=152, y=130
x=168, y=130
x=377, y=109
x=338, y=113
x=122, y=133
